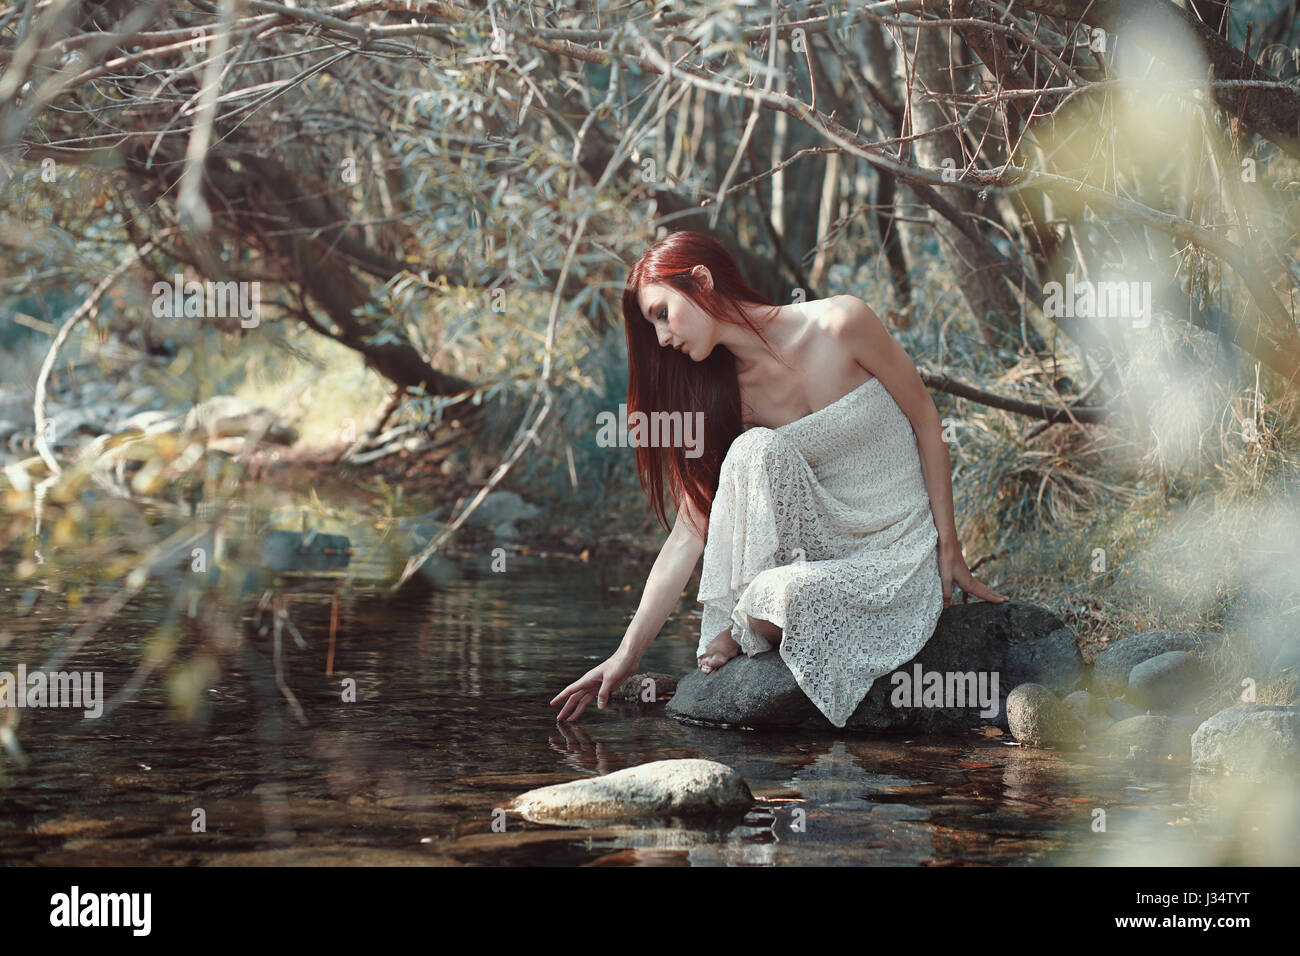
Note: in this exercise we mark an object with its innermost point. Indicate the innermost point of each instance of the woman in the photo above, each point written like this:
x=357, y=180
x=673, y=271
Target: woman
x=827, y=527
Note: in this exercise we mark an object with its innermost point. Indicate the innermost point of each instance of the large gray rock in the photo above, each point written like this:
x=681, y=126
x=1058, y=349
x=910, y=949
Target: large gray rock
x=1167, y=683
x=1038, y=717
x=1111, y=668
x=1257, y=741
x=661, y=790
x=1019, y=643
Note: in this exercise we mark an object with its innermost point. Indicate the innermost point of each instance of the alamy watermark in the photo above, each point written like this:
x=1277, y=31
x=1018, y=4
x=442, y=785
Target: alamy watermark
x=946, y=689
x=1098, y=300
x=76, y=909
x=179, y=299
x=75, y=689
x=654, y=430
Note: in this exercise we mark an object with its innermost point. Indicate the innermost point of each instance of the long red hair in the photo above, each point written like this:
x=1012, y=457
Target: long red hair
x=661, y=379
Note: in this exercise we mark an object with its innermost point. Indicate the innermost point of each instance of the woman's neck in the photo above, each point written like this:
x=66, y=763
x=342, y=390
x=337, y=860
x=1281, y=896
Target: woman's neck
x=783, y=330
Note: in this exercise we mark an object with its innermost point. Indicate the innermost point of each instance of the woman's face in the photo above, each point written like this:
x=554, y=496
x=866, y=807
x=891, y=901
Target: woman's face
x=679, y=323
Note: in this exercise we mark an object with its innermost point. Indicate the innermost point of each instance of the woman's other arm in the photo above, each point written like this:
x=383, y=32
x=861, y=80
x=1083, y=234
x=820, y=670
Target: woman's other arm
x=869, y=342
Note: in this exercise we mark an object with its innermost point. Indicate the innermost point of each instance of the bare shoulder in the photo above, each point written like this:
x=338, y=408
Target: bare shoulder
x=839, y=313
x=858, y=331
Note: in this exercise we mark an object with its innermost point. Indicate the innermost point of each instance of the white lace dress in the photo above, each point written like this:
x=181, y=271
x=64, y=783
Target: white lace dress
x=823, y=526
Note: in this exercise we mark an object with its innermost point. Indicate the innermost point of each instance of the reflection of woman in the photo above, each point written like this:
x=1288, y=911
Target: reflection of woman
x=827, y=528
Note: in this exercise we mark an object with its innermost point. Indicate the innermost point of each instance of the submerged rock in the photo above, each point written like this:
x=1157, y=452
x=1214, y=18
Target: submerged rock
x=1110, y=671
x=1015, y=643
x=1148, y=737
x=1038, y=717
x=1090, y=711
x=647, y=688
x=661, y=789
x=1256, y=741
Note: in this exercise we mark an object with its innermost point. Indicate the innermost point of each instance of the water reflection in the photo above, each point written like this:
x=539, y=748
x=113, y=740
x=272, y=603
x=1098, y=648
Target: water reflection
x=450, y=721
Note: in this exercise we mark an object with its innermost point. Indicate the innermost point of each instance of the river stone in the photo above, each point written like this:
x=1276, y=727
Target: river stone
x=656, y=790
x=1019, y=643
x=1166, y=682
x=1085, y=705
x=1148, y=737
x=1090, y=711
x=1037, y=717
x=647, y=688
x=1256, y=741
x=498, y=509
x=1111, y=669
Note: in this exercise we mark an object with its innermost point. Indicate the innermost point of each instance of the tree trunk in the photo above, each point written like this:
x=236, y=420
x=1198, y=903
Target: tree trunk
x=990, y=299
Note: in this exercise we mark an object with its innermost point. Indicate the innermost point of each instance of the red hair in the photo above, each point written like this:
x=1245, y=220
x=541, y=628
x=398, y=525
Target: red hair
x=663, y=380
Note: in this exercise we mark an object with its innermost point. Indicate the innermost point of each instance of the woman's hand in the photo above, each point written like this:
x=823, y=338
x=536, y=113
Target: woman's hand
x=596, y=685
x=953, y=570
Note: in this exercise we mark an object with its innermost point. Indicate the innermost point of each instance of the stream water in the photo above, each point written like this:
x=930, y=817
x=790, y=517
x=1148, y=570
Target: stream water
x=451, y=720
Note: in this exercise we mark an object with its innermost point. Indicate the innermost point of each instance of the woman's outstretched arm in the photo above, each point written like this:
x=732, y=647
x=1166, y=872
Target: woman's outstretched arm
x=668, y=576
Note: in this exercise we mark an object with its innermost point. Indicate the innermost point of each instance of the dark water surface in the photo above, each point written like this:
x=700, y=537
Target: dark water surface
x=451, y=721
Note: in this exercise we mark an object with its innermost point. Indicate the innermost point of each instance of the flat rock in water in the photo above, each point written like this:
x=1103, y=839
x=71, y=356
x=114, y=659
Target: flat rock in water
x=1257, y=741
x=663, y=789
x=1016, y=642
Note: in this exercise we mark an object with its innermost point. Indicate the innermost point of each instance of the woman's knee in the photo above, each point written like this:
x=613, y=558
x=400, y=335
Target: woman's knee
x=757, y=444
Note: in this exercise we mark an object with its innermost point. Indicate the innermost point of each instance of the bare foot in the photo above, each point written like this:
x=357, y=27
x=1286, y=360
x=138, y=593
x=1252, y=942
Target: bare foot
x=720, y=650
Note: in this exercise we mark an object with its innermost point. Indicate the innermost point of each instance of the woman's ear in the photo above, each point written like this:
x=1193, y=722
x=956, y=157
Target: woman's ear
x=703, y=276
